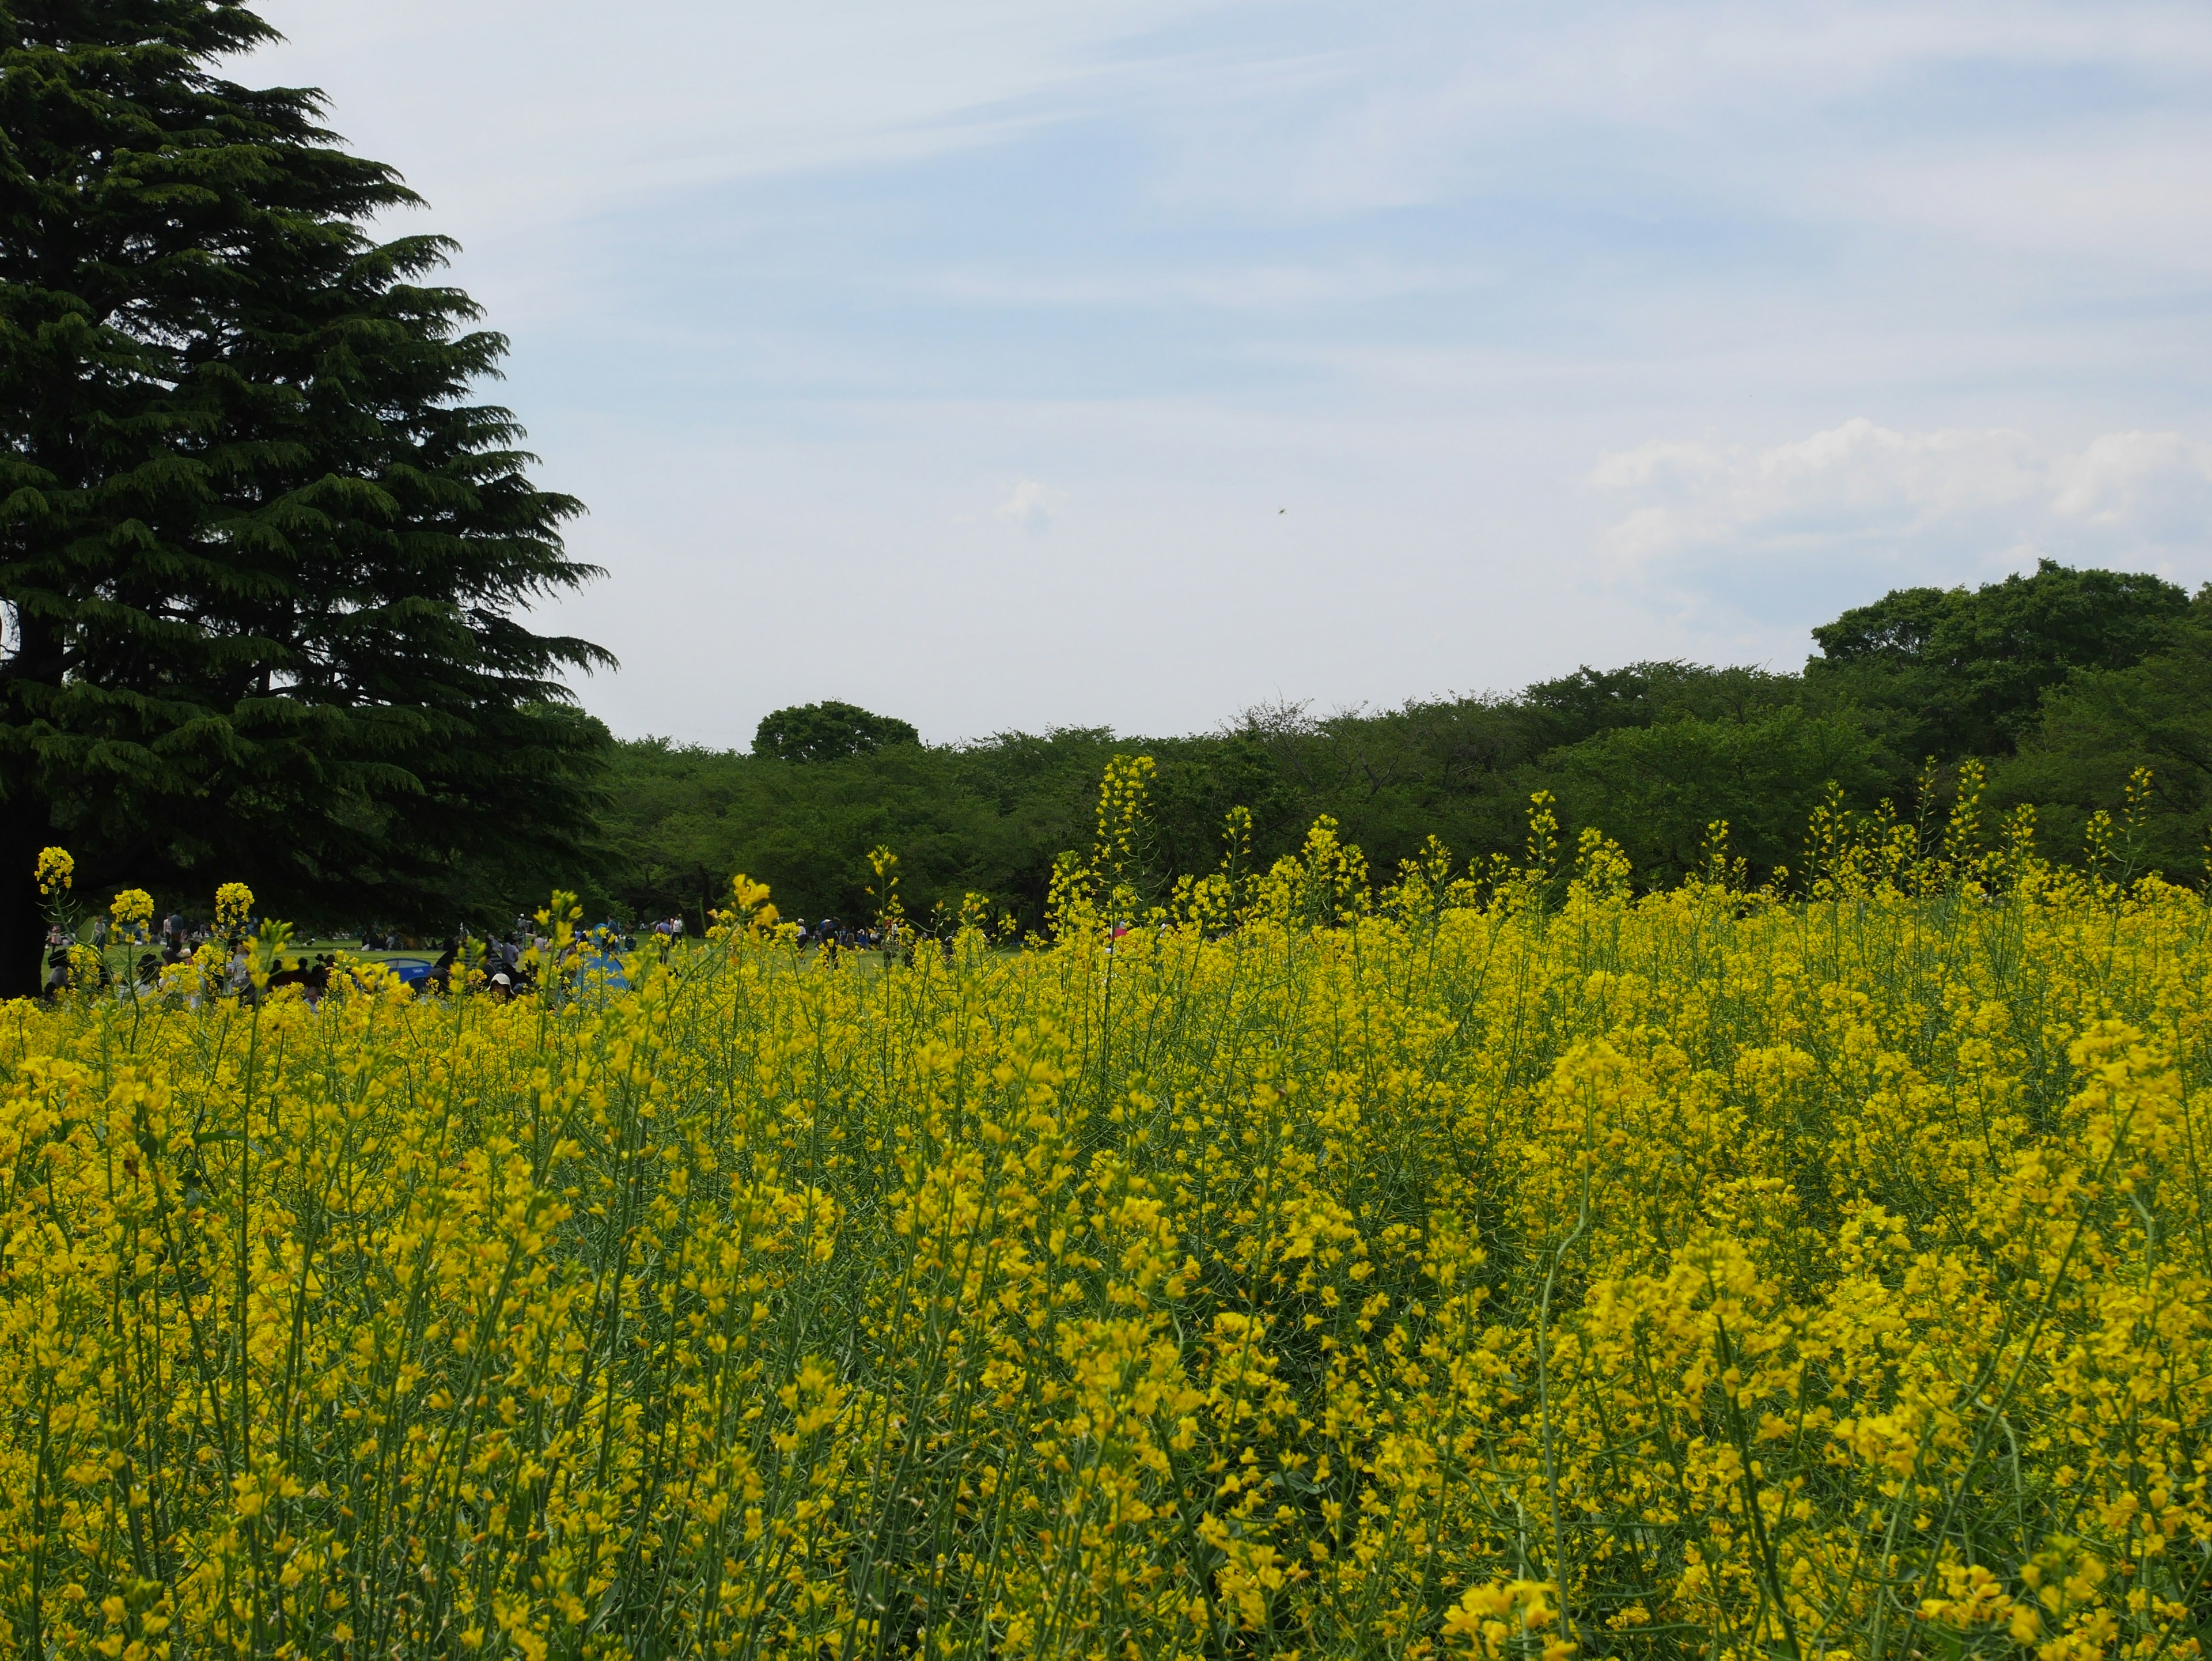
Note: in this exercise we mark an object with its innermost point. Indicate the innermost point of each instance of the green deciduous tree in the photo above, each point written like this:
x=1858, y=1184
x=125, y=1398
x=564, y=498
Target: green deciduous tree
x=261, y=555
x=1969, y=667
x=828, y=731
x=1657, y=788
x=2101, y=724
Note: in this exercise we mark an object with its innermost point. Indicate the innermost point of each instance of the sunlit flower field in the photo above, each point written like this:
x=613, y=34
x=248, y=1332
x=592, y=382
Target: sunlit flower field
x=1503, y=1265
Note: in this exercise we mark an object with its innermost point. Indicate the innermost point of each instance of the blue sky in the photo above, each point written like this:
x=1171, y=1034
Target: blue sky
x=1004, y=365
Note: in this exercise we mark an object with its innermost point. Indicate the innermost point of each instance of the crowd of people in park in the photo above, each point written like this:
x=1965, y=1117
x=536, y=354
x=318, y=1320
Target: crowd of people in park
x=505, y=965
x=507, y=962
x=175, y=939
x=834, y=938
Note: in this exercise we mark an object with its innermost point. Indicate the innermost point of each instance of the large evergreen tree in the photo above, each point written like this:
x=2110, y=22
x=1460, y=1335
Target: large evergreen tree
x=261, y=555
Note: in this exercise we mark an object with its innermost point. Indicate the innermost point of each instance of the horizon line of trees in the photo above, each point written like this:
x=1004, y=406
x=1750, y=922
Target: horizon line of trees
x=2060, y=682
x=266, y=562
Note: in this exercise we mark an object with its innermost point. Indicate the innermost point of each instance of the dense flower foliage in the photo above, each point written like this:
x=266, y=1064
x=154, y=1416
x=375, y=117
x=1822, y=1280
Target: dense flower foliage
x=1523, y=1269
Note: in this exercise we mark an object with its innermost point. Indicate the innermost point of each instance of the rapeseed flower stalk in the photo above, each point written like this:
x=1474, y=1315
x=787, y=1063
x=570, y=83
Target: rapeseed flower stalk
x=233, y=908
x=1543, y=832
x=748, y=911
x=132, y=911
x=883, y=891
x=1122, y=798
x=1505, y=1264
x=55, y=872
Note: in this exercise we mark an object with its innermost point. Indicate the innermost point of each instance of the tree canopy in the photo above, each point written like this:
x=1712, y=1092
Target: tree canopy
x=2101, y=724
x=2062, y=681
x=828, y=731
x=1970, y=666
x=262, y=553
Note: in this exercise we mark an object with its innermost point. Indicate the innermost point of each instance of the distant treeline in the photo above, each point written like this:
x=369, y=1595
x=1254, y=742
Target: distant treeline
x=2062, y=682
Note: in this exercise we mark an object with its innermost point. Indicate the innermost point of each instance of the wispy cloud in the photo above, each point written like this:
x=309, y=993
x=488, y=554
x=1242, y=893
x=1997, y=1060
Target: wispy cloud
x=521, y=111
x=1254, y=289
x=1865, y=503
x=1402, y=268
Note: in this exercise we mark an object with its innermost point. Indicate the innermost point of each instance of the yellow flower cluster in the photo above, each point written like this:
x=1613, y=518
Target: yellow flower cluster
x=1510, y=1268
x=748, y=909
x=56, y=871
x=234, y=906
x=131, y=910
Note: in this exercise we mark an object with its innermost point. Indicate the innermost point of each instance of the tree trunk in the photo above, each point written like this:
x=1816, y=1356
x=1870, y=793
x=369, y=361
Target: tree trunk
x=26, y=825
x=22, y=919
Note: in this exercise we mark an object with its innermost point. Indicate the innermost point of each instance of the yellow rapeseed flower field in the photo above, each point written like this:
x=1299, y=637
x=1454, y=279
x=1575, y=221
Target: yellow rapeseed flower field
x=1499, y=1266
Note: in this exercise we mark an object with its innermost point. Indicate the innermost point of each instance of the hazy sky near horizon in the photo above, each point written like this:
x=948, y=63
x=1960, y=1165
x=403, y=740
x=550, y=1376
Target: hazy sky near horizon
x=1011, y=363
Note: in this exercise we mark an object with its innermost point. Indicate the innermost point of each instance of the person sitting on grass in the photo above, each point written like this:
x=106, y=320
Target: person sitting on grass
x=295, y=975
x=441, y=972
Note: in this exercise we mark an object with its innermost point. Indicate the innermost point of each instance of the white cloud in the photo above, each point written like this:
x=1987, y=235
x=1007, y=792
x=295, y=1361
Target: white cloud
x=2156, y=486
x=1403, y=269
x=1033, y=505
x=1852, y=482
x=1733, y=521
x=508, y=112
